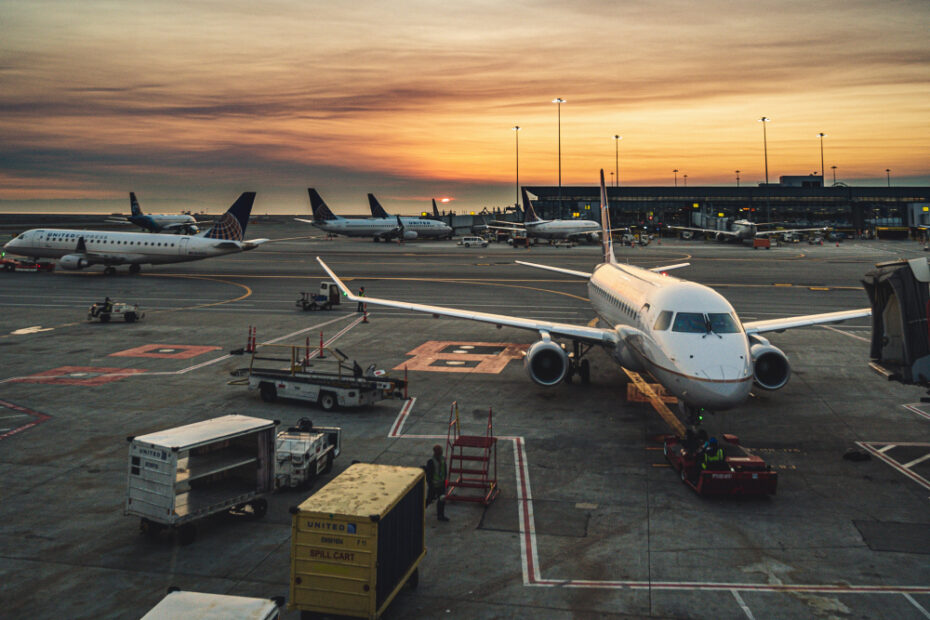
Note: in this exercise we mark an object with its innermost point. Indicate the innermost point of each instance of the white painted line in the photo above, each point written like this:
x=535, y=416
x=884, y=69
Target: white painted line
x=888, y=447
x=742, y=605
x=919, y=607
x=890, y=461
x=916, y=409
x=916, y=461
x=398, y=425
x=840, y=331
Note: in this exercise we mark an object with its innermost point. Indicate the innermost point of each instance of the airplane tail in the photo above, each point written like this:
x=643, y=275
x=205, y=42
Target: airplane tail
x=376, y=209
x=134, y=204
x=319, y=208
x=607, y=240
x=435, y=209
x=529, y=214
x=231, y=226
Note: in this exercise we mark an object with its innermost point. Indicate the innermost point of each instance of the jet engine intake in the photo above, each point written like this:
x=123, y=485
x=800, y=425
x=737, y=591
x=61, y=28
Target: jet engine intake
x=771, y=367
x=409, y=235
x=73, y=261
x=546, y=363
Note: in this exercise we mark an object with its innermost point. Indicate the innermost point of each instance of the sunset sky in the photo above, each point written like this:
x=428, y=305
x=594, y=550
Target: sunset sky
x=191, y=103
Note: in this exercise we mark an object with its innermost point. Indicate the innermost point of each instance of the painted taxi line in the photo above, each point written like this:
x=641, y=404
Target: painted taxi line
x=15, y=419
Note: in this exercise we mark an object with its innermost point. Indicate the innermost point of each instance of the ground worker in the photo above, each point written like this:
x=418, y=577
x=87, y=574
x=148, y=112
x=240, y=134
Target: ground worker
x=436, y=473
x=713, y=455
x=361, y=306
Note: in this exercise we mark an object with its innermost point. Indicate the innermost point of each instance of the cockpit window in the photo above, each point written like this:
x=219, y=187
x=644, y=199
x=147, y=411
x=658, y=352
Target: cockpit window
x=723, y=323
x=664, y=320
x=689, y=323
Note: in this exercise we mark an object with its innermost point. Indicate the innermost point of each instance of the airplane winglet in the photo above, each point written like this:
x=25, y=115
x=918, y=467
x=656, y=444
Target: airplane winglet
x=342, y=287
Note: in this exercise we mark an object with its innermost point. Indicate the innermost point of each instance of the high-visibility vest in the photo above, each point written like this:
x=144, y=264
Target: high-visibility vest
x=439, y=471
x=712, y=457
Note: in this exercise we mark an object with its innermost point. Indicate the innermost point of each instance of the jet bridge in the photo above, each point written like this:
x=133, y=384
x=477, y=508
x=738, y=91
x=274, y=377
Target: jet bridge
x=899, y=292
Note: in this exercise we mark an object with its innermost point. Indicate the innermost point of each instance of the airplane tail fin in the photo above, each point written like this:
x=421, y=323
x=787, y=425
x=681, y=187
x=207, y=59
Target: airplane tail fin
x=376, y=209
x=231, y=226
x=319, y=208
x=529, y=214
x=435, y=209
x=134, y=204
x=607, y=240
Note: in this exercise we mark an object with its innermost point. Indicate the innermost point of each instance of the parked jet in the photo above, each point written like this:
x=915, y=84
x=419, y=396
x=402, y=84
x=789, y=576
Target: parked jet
x=744, y=229
x=577, y=230
x=410, y=222
x=685, y=334
x=77, y=249
x=378, y=228
x=158, y=222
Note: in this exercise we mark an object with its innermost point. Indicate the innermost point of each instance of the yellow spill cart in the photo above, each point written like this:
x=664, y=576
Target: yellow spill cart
x=358, y=540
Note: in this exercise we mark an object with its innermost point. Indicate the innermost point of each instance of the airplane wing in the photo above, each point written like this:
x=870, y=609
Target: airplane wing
x=592, y=335
x=710, y=231
x=571, y=272
x=780, y=325
x=300, y=219
x=764, y=233
x=511, y=228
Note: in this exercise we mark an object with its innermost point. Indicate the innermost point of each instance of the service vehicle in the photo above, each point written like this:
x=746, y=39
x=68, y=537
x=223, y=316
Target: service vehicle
x=478, y=242
x=13, y=264
x=303, y=452
x=761, y=242
x=357, y=541
x=105, y=311
x=328, y=381
x=324, y=299
x=180, y=475
x=740, y=473
x=203, y=606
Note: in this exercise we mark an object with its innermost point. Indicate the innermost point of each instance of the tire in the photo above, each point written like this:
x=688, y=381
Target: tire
x=414, y=579
x=104, y=318
x=259, y=508
x=130, y=317
x=268, y=391
x=467, y=245
x=187, y=533
x=327, y=401
x=584, y=371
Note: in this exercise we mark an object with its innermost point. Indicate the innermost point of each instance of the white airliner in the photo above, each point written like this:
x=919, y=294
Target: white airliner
x=379, y=228
x=579, y=229
x=744, y=229
x=77, y=249
x=157, y=222
x=685, y=334
x=377, y=211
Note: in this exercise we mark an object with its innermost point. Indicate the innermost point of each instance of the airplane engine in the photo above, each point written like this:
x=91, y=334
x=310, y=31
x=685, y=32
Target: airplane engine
x=410, y=235
x=594, y=237
x=546, y=363
x=770, y=366
x=72, y=261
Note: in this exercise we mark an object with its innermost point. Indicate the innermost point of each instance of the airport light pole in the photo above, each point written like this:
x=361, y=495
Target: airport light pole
x=686, y=180
x=617, y=157
x=516, y=135
x=765, y=146
x=822, y=136
x=676, y=176
x=560, y=101
x=888, y=176
x=834, y=174
x=737, y=178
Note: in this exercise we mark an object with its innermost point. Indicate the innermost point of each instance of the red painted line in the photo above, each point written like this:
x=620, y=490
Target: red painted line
x=402, y=417
x=917, y=410
x=39, y=418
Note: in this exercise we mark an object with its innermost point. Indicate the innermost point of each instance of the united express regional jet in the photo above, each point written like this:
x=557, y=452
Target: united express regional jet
x=685, y=334
x=157, y=222
x=534, y=226
x=77, y=249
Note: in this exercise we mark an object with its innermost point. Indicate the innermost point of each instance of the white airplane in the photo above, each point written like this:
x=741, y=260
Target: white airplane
x=77, y=249
x=744, y=229
x=158, y=222
x=550, y=229
x=379, y=228
x=685, y=334
x=409, y=222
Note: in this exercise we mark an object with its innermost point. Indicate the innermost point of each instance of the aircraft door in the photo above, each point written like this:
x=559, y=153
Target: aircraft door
x=182, y=246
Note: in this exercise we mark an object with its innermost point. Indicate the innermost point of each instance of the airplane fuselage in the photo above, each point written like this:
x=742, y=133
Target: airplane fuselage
x=562, y=229
x=666, y=322
x=119, y=248
x=380, y=227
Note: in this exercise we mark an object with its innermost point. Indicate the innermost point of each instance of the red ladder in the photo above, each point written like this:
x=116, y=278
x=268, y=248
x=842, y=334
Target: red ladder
x=472, y=463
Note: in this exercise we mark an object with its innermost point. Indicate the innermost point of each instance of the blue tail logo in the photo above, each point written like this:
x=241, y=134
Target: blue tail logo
x=231, y=226
x=319, y=209
x=134, y=204
x=376, y=209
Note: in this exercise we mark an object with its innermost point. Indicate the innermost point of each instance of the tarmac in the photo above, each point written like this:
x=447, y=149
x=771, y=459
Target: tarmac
x=591, y=522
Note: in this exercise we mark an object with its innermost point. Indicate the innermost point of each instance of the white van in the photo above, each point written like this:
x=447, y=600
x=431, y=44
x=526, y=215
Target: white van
x=476, y=241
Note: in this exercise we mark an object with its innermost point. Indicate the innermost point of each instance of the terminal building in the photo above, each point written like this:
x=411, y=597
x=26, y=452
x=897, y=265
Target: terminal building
x=802, y=201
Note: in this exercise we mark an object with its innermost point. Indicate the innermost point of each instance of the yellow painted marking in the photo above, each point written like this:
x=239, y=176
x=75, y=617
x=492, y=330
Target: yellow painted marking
x=247, y=293
x=661, y=465
x=593, y=322
x=819, y=288
x=656, y=401
x=782, y=284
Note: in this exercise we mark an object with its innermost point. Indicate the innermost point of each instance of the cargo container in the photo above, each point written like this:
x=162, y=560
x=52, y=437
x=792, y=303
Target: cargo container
x=182, y=474
x=203, y=606
x=357, y=541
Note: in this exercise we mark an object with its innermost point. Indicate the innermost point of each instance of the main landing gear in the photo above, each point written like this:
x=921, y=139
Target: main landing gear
x=577, y=364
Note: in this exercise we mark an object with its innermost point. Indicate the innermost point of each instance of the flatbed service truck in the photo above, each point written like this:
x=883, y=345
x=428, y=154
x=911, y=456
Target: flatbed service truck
x=328, y=382
x=740, y=473
x=357, y=541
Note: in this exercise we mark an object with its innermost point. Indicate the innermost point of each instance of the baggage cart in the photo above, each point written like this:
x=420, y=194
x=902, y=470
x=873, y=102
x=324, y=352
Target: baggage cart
x=180, y=475
x=740, y=473
x=358, y=540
